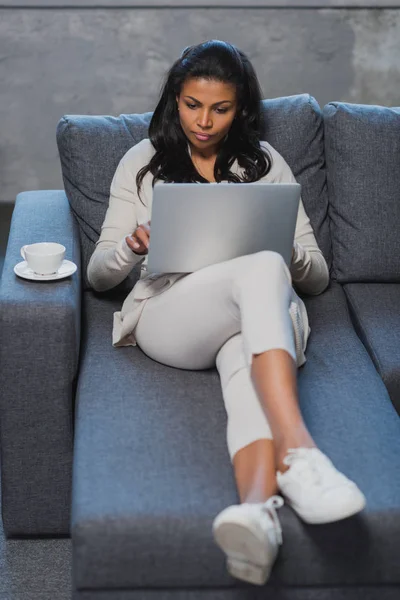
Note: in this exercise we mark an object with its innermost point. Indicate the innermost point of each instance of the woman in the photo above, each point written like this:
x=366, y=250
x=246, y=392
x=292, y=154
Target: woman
x=242, y=315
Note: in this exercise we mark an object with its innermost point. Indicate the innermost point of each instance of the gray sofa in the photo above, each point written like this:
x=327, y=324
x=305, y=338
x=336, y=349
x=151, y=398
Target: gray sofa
x=128, y=456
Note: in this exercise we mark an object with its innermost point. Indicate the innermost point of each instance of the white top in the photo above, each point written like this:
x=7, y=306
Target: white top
x=112, y=259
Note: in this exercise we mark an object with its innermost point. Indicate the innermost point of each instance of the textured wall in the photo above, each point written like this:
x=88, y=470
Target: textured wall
x=111, y=61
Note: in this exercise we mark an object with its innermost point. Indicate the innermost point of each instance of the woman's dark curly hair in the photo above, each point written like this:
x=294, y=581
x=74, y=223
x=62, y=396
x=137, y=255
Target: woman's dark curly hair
x=214, y=60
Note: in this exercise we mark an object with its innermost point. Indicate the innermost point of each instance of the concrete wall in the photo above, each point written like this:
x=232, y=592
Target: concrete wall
x=104, y=60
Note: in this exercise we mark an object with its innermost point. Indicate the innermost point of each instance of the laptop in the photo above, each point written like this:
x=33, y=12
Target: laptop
x=194, y=225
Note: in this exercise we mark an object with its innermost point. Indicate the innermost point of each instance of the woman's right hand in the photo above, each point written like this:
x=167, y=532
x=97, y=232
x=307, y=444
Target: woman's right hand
x=138, y=242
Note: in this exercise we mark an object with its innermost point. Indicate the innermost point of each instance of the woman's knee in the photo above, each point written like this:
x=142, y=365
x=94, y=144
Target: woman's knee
x=270, y=258
x=266, y=263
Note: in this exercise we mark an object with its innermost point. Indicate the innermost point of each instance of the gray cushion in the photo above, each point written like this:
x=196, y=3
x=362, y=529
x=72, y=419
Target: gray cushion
x=376, y=312
x=362, y=145
x=294, y=127
x=90, y=148
x=152, y=470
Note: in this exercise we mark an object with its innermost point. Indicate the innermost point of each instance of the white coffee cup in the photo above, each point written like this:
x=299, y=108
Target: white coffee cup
x=44, y=258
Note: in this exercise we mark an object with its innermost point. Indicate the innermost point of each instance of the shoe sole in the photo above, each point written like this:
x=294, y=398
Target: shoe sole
x=243, y=549
x=312, y=519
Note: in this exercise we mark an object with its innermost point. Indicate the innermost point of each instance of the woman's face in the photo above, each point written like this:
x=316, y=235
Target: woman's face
x=207, y=107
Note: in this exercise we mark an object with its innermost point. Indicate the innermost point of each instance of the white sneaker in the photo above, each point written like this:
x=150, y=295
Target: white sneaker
x=316, y=490
x=249, y=534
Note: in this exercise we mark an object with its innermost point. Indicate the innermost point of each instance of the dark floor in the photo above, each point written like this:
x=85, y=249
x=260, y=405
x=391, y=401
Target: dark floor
x=35, y=569
x=31, y=569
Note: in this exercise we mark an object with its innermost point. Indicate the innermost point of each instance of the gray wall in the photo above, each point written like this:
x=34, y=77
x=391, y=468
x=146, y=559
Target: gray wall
x=105, y=60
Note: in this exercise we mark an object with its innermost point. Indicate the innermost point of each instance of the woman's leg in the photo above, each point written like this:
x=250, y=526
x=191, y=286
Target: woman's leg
x=271, y=383
x=186, y=325
x=254, y=468
x=305, y=476
x=275, y=377
x=223, y=315
x=274, y=371
x=260, y=388
x=249, y=437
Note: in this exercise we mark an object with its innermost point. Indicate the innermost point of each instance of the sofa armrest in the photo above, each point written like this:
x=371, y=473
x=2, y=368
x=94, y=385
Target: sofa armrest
x=39, y=356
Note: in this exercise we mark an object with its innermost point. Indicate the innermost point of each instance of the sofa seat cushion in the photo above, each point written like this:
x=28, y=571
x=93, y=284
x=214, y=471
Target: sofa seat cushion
x=152, y=470
x=375, y=310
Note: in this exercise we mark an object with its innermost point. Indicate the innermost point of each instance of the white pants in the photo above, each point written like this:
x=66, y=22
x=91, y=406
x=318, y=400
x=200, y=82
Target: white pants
x=220, y=316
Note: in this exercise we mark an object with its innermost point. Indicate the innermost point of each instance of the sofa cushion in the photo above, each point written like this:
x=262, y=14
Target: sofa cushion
x=293, y=125
x=152, y=469
x=362, y=146
x=376, y=313
x=91, y=147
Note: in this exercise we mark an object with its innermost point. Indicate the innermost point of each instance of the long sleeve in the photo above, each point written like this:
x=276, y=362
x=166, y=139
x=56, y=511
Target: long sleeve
x=309, y=270
x=112, y=259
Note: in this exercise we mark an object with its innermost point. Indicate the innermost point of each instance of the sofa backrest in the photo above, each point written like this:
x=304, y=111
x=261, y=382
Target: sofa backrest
x=91, y=147
x=362, y=147
x=293, y=125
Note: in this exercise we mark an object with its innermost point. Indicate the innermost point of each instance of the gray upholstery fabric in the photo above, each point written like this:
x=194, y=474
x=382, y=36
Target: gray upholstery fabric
x=241, y=591
x=362, y=146
x=40, y=336
x=376, y=312
x=151, y=466
x=294, y=127
x=90, y=148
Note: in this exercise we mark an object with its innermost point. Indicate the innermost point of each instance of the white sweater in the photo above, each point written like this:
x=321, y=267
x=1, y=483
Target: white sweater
x=112, y=259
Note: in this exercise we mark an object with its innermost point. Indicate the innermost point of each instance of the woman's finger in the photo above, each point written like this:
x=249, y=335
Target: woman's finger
x=142, y=236
x=132, y=242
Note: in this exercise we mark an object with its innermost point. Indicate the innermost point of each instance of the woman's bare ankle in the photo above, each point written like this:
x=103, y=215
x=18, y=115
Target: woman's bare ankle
x=282, y=446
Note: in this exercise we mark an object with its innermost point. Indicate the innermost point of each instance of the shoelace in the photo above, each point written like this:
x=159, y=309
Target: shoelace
x=317, y=468
x=270, y=507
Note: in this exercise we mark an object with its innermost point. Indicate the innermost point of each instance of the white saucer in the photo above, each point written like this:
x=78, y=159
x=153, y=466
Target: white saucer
x=67, y=268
